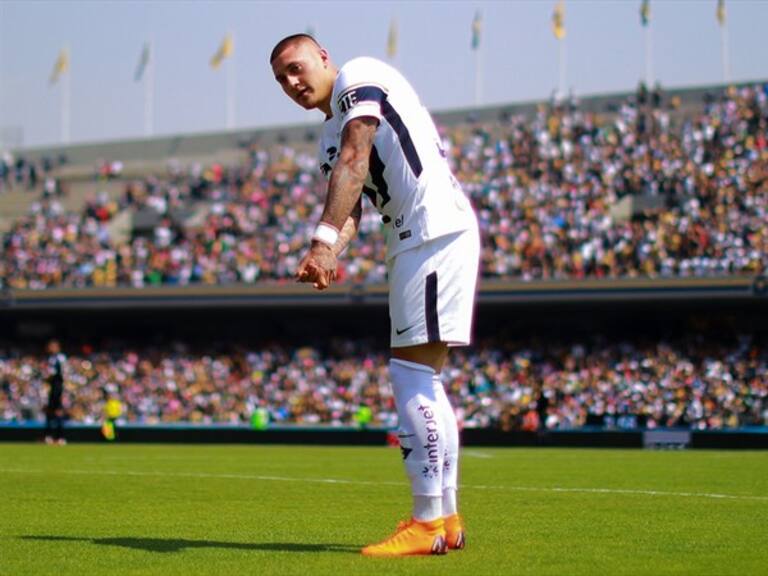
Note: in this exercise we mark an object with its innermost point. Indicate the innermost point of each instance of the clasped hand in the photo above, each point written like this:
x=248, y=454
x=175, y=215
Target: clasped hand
x=318, y=266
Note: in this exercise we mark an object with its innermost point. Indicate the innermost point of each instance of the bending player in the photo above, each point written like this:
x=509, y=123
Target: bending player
x=378, y=139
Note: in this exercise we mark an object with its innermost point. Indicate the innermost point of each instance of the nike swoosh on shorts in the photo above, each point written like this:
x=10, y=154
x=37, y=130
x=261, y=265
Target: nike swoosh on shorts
x=404, y=330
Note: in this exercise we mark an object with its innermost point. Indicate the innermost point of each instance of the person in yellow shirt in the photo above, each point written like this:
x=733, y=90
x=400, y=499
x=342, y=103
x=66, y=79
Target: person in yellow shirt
x=113, y=409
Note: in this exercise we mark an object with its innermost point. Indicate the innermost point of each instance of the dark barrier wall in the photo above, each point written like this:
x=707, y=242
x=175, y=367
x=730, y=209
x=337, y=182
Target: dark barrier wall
x=727, y=440
x=738, y=439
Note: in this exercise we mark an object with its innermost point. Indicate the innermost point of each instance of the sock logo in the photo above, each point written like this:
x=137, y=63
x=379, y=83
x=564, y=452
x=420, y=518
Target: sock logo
x=432, y=437
x=405, y=450
x=430, y=471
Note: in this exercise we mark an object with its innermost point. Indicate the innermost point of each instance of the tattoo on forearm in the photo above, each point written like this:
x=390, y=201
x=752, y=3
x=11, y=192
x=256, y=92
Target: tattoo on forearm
x=350, y=172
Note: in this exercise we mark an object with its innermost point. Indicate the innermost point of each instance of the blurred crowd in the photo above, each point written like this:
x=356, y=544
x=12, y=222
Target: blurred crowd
x=18, y=172
x=649, y=190
x=696, y=382
x=549, y=191
x=248, y=223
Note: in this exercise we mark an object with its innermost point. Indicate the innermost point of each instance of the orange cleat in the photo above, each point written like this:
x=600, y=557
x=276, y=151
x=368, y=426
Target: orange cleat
x=455, y=538
x=412, y=538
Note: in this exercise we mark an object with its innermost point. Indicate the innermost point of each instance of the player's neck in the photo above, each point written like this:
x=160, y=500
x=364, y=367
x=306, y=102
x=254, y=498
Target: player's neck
x=325, y=105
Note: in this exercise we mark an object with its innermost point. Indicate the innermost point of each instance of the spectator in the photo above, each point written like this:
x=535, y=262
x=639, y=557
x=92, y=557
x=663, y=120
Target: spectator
x=545, y=189
x=715, y=382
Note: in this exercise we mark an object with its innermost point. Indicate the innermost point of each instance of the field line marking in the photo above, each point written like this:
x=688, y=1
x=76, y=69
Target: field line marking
x=631, y=491
x=202, y=475
x=554, y=489
x=476, y=454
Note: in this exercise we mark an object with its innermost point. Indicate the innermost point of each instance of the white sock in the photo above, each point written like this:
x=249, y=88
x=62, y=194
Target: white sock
x=421, y=434
x=427, y=508
x=450, y=506
x=451, y=459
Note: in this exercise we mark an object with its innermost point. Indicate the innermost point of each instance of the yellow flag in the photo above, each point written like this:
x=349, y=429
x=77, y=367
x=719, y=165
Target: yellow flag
x=558, y=20
x=61, y=66
x=477, y=30
x=720, y=14
x=392, y=40
x=645, y=12
x=225, y=51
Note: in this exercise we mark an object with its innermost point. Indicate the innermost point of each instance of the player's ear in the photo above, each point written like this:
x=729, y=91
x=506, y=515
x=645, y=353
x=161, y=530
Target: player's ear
x=325, y=57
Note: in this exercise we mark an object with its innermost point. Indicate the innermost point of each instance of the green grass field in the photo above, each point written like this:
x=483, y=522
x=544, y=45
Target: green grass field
x=150, y=509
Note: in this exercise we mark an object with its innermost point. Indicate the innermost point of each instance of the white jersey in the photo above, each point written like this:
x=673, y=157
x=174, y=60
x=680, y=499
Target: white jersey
x=409, y=180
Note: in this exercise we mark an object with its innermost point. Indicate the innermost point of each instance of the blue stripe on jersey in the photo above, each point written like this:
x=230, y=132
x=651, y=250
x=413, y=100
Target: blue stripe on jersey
x=376, y=169
x=430, y=308
x=376, y=94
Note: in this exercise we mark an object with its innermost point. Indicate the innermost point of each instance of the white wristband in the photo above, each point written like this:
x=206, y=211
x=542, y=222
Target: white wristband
x=326, y=234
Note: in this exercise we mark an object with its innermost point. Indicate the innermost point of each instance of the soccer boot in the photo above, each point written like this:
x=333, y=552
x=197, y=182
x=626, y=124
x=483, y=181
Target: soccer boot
x=412, y=538
x=455, y=537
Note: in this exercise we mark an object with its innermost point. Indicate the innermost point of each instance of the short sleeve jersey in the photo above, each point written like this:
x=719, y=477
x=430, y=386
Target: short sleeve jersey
x=409, y=180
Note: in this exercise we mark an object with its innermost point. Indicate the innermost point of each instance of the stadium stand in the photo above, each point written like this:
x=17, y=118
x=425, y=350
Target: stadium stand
x=588, y=200
x=518, y=384
x=649, y=191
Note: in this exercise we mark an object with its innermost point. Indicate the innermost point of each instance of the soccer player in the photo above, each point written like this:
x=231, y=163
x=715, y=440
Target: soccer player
x=378, y=139
x=54, y=410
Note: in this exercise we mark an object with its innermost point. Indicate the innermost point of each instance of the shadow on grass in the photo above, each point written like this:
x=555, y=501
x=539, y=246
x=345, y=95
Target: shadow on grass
x=165, y=545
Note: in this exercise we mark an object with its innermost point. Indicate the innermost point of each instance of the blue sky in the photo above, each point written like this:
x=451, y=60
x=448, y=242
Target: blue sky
x=604, y=45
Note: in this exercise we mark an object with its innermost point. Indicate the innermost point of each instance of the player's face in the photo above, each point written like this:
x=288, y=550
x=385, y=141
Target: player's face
x=302, y=70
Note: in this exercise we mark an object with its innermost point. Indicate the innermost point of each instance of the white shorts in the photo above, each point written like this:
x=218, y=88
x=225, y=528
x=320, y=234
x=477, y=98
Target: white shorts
x=432, y=291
